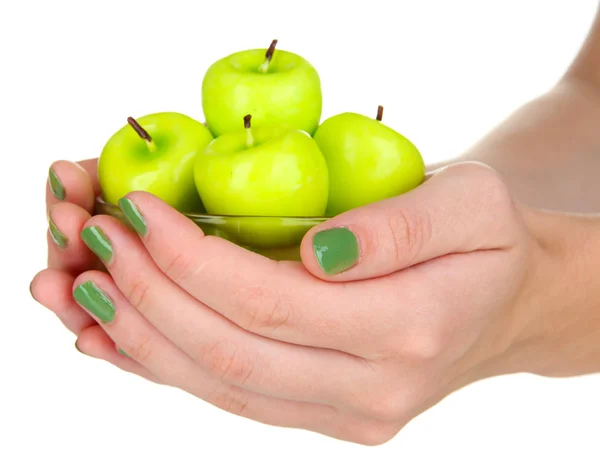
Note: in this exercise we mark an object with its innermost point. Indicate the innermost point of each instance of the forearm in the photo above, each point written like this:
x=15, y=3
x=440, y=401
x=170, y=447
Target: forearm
x=559, y=328
x=549, y=150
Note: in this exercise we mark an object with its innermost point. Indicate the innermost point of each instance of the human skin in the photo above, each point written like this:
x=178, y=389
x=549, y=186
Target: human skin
x=547, y=151
x=455, y=283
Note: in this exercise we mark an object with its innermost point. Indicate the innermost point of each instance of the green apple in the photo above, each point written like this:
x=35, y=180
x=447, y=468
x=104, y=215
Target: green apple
x=367, y=161
x=155, y=154
x=268, y=171
x=276, y=88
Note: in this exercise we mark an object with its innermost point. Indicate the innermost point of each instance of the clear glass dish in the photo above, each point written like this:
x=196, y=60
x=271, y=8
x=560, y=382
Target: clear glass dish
x=275, y=237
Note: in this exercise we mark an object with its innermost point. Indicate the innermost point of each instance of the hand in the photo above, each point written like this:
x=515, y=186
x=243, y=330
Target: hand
x=70, y=193
x=436, y=300
x=71, y=190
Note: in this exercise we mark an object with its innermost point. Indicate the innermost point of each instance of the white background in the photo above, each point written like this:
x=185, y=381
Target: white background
x=71, y=72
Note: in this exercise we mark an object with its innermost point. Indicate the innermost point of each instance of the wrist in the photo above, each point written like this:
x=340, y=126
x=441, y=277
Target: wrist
x=558, y=313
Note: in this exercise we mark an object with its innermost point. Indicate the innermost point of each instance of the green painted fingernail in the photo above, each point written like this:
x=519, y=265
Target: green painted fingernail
x=133, y=216
x=336, y=249
x=122, y=352
x=79, y=349
x=97, y=242
x=56, y=186
x=95, y=301
x=58, y=237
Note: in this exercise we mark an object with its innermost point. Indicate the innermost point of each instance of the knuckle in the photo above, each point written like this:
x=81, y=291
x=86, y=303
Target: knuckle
x=141, y=349
x=388, y=406
x=138, y=293
x=408, y=232
x=370, y=244
x=484, y=185
x=427, y=333
x=262, y=309
x=404, y=232
x=500, y=201
x=224, y=360
x=231, y=400
x=496, y=191
x=376, y=434
x=399, y=399
x=179, y=267
x=428, y=345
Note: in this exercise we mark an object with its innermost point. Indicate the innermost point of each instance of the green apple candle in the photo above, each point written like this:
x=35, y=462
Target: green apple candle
x=367, y=161
x=263, y=171
x=275, y=87
x=155, y=154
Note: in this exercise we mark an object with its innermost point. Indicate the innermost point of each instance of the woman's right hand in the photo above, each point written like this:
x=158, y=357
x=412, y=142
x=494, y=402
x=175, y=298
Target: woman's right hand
x=71, y=191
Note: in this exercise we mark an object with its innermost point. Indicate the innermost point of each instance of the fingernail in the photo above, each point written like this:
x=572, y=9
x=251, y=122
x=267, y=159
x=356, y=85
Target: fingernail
x=56, y=186
x=97, y=242
x=122, y=352
x=79, y=350
x=31, y=290
x=336, y=249
x=58, y=237
x=133, y=216
x=94, y=300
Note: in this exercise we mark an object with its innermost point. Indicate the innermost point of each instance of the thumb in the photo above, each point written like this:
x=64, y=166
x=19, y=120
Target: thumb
x=462, y=208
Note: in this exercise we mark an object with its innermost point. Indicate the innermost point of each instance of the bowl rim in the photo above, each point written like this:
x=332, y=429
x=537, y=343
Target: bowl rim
x=100, y=201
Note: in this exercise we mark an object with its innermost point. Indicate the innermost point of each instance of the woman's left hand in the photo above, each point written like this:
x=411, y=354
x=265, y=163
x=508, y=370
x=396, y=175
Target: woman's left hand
x=432, y=289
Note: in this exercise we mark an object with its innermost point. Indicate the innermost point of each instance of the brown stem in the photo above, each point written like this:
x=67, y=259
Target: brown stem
x=379, y=113
x=139, y=129
x=271, y=50
x=249, y=136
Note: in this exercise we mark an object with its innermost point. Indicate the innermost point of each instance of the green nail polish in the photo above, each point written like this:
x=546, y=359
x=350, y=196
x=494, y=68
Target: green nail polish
x=79, y=350
x=93, y=299
x=122, y=352
x=336, y=249
x=56, y=186
x=133, y=216
x=58, y=237
x=98, y=243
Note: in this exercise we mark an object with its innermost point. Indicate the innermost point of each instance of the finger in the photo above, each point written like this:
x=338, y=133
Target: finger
x=91, y=167
x=94, y=342
x=66, y=251
x=71, y=182
x=53, y=289
x=278, y=300
x=221, y=348
x=70, y=198
x=459, y=209
x=98, y=294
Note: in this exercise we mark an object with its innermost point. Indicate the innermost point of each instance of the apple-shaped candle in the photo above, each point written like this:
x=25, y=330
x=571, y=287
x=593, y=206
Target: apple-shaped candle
x=275, y=87
x=263, y=171
x=155, y=154
x=367, y=161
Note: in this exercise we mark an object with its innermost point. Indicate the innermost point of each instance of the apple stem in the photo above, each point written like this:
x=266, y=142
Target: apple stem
x=249, y=136
x=264, y=67
x=379, y=113
x=142, y=133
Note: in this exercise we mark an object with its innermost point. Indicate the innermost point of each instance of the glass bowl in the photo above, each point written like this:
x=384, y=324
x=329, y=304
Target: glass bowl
x=275, y=237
